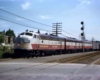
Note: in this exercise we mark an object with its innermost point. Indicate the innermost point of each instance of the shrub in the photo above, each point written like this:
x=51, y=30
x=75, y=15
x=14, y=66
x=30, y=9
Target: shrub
x=6, y=52
x=1, y=53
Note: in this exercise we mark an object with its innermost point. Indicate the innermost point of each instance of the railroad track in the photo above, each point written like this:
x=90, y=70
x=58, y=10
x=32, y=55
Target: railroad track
x=71, y=59
x=88, y=58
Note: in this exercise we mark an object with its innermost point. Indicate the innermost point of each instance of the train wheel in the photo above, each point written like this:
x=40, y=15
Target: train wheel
x=37, y=54
x=42, y=54
x=28, y=55
x=32, y=55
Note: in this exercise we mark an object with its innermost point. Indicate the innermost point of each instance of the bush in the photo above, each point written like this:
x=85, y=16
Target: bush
x=1, y=53
x=6, y=52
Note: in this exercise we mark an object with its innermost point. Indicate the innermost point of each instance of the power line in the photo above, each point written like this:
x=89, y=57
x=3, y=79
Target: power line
x=24, y=18
x=32, y=20
x=22, y=24
x=70, y=33
x=27, y=26
x=63, y=35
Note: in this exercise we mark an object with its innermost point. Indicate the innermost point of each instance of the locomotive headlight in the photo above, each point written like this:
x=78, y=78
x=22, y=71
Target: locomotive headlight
x=26, y=40
x=18, y=44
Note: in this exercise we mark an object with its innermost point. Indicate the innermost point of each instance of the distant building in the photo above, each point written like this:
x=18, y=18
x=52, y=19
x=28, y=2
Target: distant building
x=7, y=39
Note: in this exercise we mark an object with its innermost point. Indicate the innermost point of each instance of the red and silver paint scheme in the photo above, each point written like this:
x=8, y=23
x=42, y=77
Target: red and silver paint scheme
x=39, y=44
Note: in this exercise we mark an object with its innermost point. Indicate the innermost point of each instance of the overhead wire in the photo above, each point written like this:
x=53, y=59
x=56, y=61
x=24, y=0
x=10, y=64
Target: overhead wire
x=22, y=24
x=33, y=21
x=24, y=17
x=70, y=33
x=26, y=25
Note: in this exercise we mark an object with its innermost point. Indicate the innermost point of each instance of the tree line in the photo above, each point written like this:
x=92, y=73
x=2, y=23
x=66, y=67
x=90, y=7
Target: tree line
x=4, y=33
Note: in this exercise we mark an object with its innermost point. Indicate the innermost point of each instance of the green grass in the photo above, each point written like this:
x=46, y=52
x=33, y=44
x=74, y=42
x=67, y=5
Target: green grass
x=1, y=47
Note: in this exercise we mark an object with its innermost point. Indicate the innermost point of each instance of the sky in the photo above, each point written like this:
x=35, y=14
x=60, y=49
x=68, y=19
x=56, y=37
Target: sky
x=68, y=12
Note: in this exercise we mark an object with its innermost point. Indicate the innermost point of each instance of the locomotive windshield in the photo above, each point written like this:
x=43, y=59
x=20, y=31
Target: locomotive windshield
x=22, y=33
x=29, y=34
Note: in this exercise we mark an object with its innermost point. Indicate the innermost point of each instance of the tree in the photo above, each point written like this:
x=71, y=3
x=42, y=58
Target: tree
x=10, y=33
x=1, y=37
x=4, y=32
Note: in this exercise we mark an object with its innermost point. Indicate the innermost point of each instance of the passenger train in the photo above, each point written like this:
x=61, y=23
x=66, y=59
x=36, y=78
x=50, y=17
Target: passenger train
x=32, y=44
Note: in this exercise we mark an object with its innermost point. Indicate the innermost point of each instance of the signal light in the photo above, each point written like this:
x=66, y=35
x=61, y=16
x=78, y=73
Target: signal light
x=82, y=34
x=82, y=28
x=82, y=22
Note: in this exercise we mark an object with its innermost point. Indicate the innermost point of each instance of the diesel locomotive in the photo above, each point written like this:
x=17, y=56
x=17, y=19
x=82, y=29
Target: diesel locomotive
x=30, y=43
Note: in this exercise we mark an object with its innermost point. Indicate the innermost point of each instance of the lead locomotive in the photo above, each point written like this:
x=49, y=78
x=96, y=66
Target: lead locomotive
x=30, y=43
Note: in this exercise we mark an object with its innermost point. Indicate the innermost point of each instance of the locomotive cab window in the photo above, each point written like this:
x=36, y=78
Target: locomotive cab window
x=22, y=33
x=36, y=36
x=29, y=34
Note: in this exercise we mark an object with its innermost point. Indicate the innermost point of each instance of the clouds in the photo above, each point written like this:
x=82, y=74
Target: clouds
x=41, y=0
x=84, y=2
x=25, y=6
x=45, y=17
x=69, y=12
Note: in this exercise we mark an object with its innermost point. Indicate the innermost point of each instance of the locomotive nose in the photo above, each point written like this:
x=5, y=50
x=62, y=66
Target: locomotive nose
x=21, y=40
x=21, y=43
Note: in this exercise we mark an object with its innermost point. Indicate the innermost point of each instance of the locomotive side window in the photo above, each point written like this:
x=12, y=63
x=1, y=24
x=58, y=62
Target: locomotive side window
x=59, y=42
x=37, y=36
x=34, y=36
x=42, y=41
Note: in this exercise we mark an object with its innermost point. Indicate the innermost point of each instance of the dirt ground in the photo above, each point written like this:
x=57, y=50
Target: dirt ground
x=83, y=59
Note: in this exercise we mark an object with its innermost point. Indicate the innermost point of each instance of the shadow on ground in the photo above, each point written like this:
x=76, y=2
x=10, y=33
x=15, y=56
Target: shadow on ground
x=7, y=55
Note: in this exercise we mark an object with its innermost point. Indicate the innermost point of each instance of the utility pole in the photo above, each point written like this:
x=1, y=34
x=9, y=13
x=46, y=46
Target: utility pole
x=93, y=42
x=56, y=29
x=82, y=35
